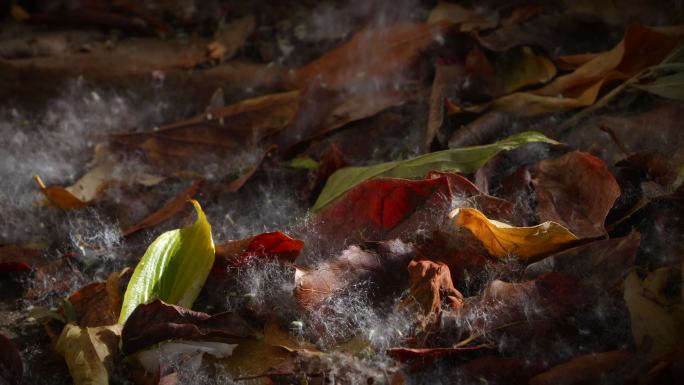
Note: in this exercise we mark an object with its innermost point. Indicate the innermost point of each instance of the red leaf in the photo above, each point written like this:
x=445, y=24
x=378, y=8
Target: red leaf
x=275, y=245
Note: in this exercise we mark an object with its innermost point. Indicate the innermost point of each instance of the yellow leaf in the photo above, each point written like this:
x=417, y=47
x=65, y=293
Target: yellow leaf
x=502, y=240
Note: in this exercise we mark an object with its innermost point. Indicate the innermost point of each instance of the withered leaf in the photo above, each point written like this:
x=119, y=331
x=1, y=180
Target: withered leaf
x=576, y=190
x=89, y=352
x=431, y=285
x=98, y=303
x=158, y=321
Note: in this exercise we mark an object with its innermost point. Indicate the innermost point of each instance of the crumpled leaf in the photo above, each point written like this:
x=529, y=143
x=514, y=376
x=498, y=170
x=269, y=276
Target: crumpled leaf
x=600, y=264
x=89, y=352
x=98, y=303
x=11, y=367
x=167, y=211
x=98, y=178
x=503, y=240
x=463, y=160
x=577, y=191
x=157, y=321
x=659, y=324
x=173, y=268
x=431, y=285
x=584, y=369
x=275, y=245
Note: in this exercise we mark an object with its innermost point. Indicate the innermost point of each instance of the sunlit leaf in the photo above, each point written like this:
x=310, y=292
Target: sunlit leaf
x=88, y=352
x=502, y=240
x=174, y=267
x=463, y=160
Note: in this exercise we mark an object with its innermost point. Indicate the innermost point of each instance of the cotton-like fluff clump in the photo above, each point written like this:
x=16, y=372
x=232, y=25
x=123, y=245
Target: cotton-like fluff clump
x=57, y=145
x=266, y=288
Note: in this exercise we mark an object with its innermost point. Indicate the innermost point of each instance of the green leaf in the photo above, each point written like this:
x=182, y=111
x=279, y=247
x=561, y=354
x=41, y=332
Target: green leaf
x=173, y=268
x=304, y=162
x=463, y=160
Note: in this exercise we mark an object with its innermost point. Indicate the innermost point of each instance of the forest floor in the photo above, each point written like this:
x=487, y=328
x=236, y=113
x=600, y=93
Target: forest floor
x=400, y=192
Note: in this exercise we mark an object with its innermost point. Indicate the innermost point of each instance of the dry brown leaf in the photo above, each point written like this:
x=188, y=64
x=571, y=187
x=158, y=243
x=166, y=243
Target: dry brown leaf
x=98, y=178
x=502, y=240
x=98, y=303
x=167, y=211
x=393, y=49
x=577, y=191
x=219, y=132
x=431, y=285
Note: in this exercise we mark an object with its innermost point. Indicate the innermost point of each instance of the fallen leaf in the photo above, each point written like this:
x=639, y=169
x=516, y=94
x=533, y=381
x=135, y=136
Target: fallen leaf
x=220, y=131
x=431, y=286
x=653, y=323
x=502, y=240
x=579, y=200
x=394, y=48
x=275, y=245
x=173, y=268
x=666, y=79
x=581, y=87
x=98, y=303
x=463, y=160
x=10, y=362
x=560, y=32
x=447, y=78
x=600, y=264
x=18, y=258
x=89, y=352
x=584, y=369
x=168, y=210
x=522, y=67
x=99, y=177
x=157, y=321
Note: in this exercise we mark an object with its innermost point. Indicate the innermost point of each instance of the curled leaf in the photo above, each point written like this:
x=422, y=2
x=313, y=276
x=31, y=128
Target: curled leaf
x=502, y=240
x=174, y=267
x=462, y=160
x=431, y=285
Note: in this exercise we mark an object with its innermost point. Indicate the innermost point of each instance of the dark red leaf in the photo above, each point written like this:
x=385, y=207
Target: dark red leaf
x=158, y=321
